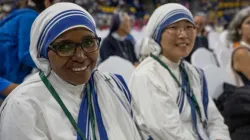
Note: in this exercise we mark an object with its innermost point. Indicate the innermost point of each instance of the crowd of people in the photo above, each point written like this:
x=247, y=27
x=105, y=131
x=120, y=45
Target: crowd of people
x=52, y=90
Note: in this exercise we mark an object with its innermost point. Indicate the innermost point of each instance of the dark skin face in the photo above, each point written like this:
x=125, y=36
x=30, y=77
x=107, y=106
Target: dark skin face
x=74, y=69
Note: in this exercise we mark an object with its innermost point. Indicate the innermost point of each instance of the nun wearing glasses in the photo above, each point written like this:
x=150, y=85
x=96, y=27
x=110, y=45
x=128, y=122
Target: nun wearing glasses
x=169, y=96
x=68, y=99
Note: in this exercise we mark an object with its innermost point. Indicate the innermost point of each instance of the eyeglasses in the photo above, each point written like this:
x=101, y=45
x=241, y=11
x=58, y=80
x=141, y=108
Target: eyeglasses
x=68, y=48
x=176, y=30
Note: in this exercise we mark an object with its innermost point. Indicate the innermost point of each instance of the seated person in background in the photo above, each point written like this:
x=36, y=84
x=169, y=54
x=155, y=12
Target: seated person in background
x=117, y=42
x=16, y=62
x=239, y=29
x=239, y=67
x=68, y=99
x=200, y=40
x=169, y=95
x=18, y=13
x=234, y=102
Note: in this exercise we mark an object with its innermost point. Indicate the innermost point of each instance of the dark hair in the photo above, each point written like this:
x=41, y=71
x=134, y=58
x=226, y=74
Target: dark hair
x=40, y=5
x=116, y=20
x=115, y=23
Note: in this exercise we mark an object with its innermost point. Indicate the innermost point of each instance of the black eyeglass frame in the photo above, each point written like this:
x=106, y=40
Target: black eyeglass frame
x=53, y=48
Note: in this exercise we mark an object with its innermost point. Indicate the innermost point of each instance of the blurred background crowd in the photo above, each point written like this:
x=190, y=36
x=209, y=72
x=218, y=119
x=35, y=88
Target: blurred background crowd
x=218, y=12
x=223, y=26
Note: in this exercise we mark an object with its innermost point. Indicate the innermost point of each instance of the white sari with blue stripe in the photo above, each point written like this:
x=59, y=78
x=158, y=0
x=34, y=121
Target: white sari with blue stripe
x=31, y=113
x=37, y=115
x=109, y=93
x=163, y=111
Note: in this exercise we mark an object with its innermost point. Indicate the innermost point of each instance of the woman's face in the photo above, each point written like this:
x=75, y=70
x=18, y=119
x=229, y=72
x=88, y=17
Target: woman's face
x=125, y=26
x=245, y=29
x=200, y=23
x=74, y=65
x=177, y=40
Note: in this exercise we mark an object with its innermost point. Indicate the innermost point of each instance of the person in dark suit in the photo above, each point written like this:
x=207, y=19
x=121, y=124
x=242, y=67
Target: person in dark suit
x=200, y=40
x=117, y=42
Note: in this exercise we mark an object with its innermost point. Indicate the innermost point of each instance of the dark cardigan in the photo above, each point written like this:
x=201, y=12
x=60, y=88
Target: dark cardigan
x=113, y=47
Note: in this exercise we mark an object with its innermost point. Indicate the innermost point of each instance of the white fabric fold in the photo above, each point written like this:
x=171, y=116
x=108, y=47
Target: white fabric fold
x=113, y=103
x=31, y=113
x=154, y=94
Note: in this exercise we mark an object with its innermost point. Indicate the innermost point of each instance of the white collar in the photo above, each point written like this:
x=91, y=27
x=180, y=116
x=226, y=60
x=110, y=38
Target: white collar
x=174, y=67
x=58, y=82
x=118, y=37
x=169, y=63
x=243, y=43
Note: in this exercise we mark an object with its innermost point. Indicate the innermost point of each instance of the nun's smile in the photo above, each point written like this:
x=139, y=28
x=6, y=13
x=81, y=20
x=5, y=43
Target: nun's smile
x=177, y=40
x=79, y=69
x=74, y=65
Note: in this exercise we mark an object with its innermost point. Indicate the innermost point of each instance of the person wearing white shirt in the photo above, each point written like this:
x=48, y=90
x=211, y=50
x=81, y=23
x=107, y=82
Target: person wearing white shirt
x=67, y=99
x=169, y=96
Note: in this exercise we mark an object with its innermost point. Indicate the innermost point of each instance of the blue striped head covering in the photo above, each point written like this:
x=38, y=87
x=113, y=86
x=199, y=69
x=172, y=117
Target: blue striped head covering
x=169, y=14
x=161, y=18
x=53, y=22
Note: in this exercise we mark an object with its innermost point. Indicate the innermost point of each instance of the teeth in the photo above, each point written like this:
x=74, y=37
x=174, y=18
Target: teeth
x=182, y=45
x=80, y=69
